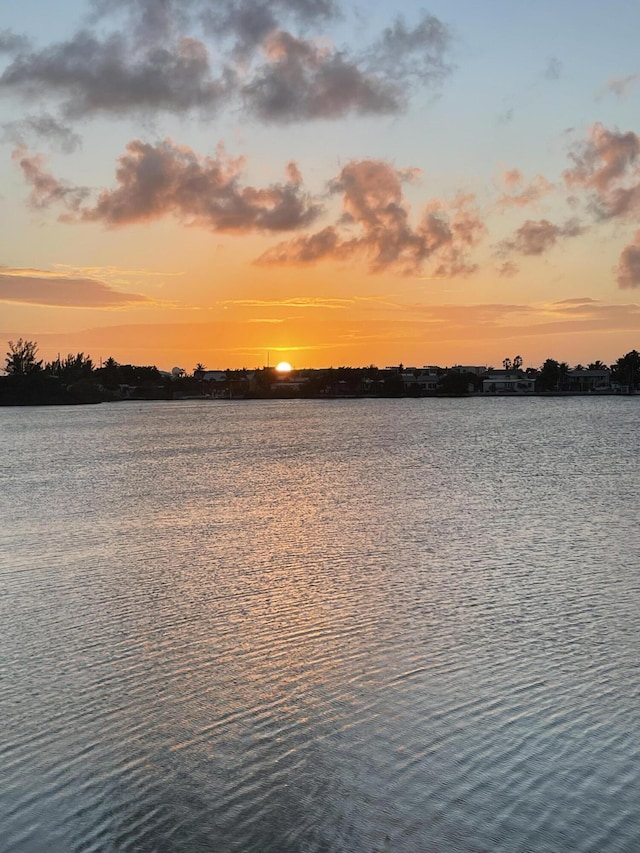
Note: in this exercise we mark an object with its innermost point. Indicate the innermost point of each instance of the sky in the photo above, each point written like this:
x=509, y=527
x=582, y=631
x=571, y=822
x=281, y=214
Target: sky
x=238, y=182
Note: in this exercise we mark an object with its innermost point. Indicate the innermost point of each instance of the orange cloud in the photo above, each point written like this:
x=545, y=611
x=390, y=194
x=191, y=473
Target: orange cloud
x=629, y=265
x=59, y=291
x=157, y=180
x=519, y=194
x=374, y=204
x=607, y=166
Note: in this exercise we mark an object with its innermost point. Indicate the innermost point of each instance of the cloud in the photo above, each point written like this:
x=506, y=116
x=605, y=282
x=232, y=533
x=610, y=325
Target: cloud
x=508, y=269
x=505, y=117
x=621, y=86
x=519, y=194
x=553, y=71
x=113, y=75
x=302, y=81
x=628, y=270
x=45, y=188
x=151, y=64
x=245, y=21
x=49, y=289
x=11, y=42
x=296, y=302
x=374, y=206
x=157, y=180
x=535, y=237
x=579, y=300
x=418, y=53
x=607, y=167
x=250, y=22
x=42, y=126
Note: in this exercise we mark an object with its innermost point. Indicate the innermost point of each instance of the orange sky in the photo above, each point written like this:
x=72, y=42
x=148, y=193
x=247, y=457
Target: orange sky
x=441, y=187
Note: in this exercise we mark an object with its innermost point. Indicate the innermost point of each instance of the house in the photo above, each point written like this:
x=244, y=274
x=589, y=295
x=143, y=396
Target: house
x=427, y=380
x=214, y=383
x=477, y=370
x=419, y=381
x=508, y=382
x=587, y=381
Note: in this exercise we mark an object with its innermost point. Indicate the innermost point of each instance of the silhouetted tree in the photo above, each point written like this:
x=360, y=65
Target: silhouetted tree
x=548, y=376
x=626, y=370
x=21, y=358
x=73, y=368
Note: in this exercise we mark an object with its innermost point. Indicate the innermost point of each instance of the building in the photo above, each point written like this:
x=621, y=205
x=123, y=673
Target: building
x=587, y=381
x=508, y=382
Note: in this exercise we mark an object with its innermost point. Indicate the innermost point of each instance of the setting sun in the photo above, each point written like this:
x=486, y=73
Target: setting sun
x=283, y=367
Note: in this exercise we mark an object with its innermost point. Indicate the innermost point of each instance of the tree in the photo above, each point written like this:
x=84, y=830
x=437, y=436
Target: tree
x=549, y=376
x=73, y=368
x=21, y=358
x=597, y=365
x=626, y=370
x=516, y=364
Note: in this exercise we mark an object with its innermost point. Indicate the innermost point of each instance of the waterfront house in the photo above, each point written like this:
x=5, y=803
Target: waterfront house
x=508, y=382
x=588, y=381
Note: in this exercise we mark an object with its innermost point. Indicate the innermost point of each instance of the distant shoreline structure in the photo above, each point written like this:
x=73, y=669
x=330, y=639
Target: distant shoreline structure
x=76, y=380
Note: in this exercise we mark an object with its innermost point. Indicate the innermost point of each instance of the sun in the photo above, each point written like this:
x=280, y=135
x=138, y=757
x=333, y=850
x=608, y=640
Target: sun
x=283, y=367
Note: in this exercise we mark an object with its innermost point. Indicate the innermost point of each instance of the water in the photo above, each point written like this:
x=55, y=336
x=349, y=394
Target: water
x=401, y=625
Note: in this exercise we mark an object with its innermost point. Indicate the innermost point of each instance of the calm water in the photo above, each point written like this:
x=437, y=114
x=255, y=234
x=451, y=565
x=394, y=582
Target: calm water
x=402, y=625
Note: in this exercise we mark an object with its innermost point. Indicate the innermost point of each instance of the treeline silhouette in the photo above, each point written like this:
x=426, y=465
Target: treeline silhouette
x=76, y=379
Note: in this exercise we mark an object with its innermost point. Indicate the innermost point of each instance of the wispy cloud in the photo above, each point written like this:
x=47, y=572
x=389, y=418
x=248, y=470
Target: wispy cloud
x=31, y=287
x=42, y=127
x=620, y=86
x=519, y=193
x=554, y=68
x=293, y=302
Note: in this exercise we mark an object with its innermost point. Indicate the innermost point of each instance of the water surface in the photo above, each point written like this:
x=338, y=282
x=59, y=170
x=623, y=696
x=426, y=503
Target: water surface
x=376, y=625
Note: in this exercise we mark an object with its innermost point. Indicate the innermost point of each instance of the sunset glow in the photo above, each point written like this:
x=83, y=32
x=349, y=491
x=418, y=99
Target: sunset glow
x=439, y=186
x=283, y=367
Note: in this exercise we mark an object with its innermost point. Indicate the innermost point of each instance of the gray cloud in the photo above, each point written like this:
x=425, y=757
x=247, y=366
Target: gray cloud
x=45, y=289
x=405, y=53
x=302, y=81
x=167, y=179
x=91, y=75
x=628, y=271
x=553, y=71
x=250, y=22
x=150, y=64
x=11, y=42
x=374, y=204
x=535, y=237
x=42, y=126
